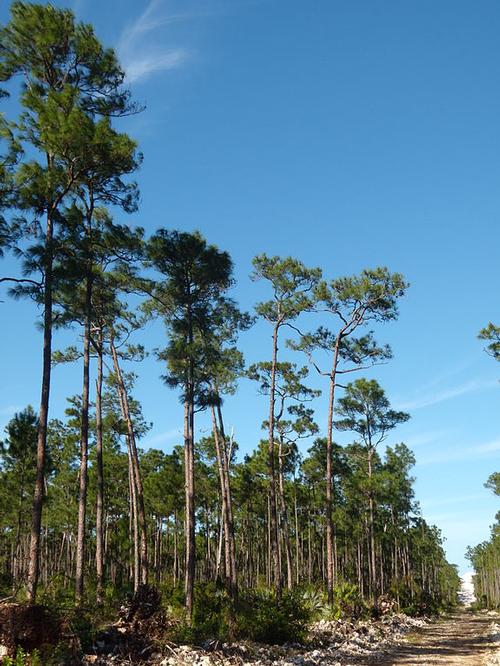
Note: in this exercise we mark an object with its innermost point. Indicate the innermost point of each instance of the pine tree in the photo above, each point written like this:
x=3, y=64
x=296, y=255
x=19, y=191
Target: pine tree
x=353, y=302
x=194, y=276
x=292, y=285
x=365, y=410
x=70, y=79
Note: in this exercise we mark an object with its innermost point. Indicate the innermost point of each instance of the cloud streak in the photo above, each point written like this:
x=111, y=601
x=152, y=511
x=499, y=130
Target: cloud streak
x=144, y=67
x=140, y=58
x=162, y=437
x=452, y=501
x=423, y=438
x=486, y=450
x=447, y=394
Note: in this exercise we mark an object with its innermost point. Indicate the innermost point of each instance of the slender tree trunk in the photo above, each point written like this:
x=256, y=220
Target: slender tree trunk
x=190, y=509
x=124, y=402
x=136, y=569
x=190, y=517
x=99, y=552
x=220, y=544
x=330, y=558
x=373, y=566
x=273, y=513
x=226, y=460
x=34, y=554
x=176, y=556
x=17, y=558
x=284, y=517
x=84, y=445
x=297, y=540
x=224, y=530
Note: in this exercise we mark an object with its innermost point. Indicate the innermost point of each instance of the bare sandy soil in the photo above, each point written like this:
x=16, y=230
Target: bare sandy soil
x=463, y=639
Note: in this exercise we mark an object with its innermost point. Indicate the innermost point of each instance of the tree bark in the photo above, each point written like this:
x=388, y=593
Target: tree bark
x=84, y=438
x=284, y=517
x=226, y=461
x=330, y=559
x=36, y=522
x=224, y=523
x=190, y=509
x=99, y=552
x=273, y=514
x=124, y=402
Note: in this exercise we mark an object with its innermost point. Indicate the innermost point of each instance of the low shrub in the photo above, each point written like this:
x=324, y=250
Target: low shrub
x=347, y=601
x=263, y=617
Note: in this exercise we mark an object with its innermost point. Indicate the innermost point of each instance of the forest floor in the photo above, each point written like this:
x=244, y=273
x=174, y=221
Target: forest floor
x=464, y=639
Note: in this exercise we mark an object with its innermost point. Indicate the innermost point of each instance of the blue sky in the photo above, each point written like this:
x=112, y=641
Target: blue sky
x=348, y=134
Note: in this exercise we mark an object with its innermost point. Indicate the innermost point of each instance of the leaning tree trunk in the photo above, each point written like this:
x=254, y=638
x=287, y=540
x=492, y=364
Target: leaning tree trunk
x=224, y=523
x=223, y=456
x=226, y=460
x=133, y=523
x=141, y=513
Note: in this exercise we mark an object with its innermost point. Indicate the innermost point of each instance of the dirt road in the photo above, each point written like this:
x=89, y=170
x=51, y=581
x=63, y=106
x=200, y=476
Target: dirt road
x=464, y=639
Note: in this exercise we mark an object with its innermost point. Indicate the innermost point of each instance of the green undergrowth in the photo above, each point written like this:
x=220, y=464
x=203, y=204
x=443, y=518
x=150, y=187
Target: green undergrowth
x=257, y=615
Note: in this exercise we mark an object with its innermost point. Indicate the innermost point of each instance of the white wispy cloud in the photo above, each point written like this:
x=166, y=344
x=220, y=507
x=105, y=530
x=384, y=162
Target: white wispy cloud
x=140, y=56
x=486, y=450
x=162, y=437
x=435, y=397
x=422, y=438
x=146, y=66
x=452, y=501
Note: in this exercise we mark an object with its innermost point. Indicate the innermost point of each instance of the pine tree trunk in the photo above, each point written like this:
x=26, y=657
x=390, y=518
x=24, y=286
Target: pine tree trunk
x=330, y=560
x=141, y=513
x=84, y=445
x=36, y=522
x=284, y=517
x=99, y=552
x=224, y=540
x=373, y=565
x=297, y=540
x=273, y=513
x=190, y=509
x=136, y=568
x=226, y=460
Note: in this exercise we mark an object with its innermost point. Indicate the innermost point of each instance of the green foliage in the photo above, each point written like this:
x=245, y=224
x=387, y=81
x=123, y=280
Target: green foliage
x=212, y=615
x=491, y=334
x=257, y=615
x=22, y=658
x=485, y=558
x=263, y=617
x=316, y=602
x=189, y=297
x=493, y=483
x=347, y=601
x=44, y=43
x=292, y=284
x=365, y=409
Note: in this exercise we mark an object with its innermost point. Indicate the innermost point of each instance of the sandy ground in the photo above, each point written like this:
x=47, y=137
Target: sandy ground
x=463, y=639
